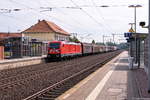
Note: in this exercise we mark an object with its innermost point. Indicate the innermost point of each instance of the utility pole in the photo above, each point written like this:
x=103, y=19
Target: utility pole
x=103, y=39
x=136, y=44
x=113, y=38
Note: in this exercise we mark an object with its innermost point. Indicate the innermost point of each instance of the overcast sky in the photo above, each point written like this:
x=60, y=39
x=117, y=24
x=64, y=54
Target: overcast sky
x=88, y=20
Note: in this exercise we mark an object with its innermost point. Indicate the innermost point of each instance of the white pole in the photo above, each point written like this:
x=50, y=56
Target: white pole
x=149, y=50
x=135, y=35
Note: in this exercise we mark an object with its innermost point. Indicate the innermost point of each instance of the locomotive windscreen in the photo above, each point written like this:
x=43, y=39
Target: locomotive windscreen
x=54, y=45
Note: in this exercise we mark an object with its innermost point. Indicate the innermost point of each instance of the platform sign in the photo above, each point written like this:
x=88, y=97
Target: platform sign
x=135, y=35
x=128, y=34
x=140, y=35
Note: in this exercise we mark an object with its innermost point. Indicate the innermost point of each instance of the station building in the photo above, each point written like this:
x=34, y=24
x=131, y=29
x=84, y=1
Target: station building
x=46, y=31
x=31, y=42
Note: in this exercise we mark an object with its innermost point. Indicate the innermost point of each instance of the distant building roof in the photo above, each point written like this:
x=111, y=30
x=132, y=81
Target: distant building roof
x=7, y=35
x=4, y=35
x=46, y=26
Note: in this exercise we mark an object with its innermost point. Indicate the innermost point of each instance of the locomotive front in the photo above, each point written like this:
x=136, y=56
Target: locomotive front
x=54, y=49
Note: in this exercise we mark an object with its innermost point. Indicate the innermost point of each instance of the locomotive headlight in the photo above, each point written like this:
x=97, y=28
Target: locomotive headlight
x=57, y=51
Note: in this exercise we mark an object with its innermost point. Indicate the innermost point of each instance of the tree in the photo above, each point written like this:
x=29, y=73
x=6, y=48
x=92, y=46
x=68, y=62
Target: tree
x=100, y=43
x=122, y=46
x=74, y=39
x=93, y=41
x=110, y=43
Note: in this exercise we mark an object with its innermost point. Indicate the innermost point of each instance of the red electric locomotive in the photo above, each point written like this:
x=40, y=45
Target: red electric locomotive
x=60, y=49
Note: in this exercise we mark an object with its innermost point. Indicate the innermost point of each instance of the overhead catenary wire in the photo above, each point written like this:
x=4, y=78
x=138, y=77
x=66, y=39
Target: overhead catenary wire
x=75, y=20
x=54, y=7
x=80, y=9
x=58, y=19
x=72, y=18
x=100, y=13
x=39, y=13
x=90, y=15
x=31, y=8
x=64, y=7
x=87, y=14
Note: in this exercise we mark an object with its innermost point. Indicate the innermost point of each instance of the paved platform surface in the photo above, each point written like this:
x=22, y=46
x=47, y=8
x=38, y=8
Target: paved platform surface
x=21, y=59
x=21, y=62
x=113, y=81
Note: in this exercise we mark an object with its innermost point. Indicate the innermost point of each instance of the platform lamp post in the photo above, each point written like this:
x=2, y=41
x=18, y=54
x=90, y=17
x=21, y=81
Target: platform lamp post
x=149, y=50
x=135, y=6
x=143, y=26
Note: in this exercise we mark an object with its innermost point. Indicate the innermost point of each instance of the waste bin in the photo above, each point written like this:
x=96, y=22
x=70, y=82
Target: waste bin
x=130, y=59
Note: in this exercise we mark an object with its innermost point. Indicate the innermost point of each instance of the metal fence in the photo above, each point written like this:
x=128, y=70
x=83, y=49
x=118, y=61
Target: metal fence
x=24, y=47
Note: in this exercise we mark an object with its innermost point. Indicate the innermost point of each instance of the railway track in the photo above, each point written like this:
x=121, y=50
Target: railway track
x=31, y=80
x=57, y=89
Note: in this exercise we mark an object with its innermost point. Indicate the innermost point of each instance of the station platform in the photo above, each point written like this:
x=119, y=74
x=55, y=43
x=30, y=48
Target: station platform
x=113, y=81
x=21, y=62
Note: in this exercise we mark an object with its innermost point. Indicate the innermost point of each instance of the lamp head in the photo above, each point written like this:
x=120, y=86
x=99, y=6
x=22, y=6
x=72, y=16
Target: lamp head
x=142, y=24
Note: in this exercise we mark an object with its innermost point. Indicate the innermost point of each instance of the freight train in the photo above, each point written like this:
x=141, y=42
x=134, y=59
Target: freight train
x=62, y=49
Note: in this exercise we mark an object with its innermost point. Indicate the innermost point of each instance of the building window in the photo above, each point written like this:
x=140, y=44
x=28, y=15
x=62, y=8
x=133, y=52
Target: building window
x=56, y=37
x=59, y=37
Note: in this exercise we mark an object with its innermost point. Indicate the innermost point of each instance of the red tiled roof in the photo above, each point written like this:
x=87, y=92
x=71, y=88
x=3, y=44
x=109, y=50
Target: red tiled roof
x=46, y=26
x=7, y=35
